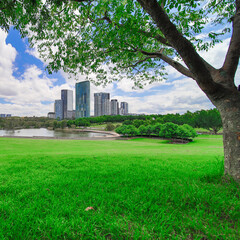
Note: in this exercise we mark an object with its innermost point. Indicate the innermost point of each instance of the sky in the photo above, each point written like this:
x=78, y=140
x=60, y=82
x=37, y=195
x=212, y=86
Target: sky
x=26, y=89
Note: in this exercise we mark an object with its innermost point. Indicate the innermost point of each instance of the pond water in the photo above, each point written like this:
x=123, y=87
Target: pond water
x=43, y=132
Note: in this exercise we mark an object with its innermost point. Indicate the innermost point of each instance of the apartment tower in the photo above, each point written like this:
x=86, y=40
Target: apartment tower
x=114, y=107
x=67, y=102
x=123, y=108
x=101, y=104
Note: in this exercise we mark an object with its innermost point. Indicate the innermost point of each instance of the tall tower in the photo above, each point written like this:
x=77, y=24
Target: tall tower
x=114, y=107
x=101, y=104
x=82, y=99
x=58, y=109
x=67, y=102
x=124, y=108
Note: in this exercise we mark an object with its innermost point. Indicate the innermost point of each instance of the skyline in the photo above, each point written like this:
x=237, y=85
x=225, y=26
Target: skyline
x=26, y=89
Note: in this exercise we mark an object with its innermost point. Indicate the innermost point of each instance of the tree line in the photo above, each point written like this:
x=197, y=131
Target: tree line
x=207, y=119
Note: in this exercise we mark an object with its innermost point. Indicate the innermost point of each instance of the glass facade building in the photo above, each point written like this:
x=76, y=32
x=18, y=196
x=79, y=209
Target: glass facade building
x=58, y=108
x=67, y=103
x=82, y=99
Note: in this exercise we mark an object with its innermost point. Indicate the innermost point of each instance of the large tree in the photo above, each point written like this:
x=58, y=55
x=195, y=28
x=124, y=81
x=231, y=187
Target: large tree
x=136, y=40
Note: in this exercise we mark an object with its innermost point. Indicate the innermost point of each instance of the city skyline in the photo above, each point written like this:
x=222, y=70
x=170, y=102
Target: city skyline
x=26, y=89
x=103, y=105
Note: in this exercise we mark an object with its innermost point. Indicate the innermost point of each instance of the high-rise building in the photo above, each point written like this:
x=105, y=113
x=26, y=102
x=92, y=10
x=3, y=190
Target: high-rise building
x=58, y=109
x=123, y=108
x=2, y=115
x=82, y=99
x=101, y=104
x=114, y=107
x=51, y=115
x=67, y=103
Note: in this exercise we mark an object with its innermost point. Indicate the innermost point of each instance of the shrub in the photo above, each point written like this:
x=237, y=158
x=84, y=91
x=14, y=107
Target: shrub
x=142, y=130
x=109, y=127
x=156, y=128
x=183, y=132
x=168, y=130
x=127, y=130
x=192, y=131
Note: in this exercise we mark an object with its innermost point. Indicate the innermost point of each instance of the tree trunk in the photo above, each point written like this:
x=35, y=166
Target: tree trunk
x=230, y=113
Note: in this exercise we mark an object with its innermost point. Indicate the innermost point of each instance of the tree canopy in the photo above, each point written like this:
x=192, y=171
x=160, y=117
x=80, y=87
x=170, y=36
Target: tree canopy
x=116, y=39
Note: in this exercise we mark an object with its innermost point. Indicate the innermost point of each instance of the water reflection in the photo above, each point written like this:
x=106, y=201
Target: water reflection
x=43, y=132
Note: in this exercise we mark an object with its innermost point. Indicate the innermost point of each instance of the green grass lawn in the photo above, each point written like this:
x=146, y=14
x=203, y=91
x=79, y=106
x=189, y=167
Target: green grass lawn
x=139, y=189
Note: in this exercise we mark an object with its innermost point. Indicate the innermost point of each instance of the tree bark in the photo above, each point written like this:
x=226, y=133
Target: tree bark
x=229, y=109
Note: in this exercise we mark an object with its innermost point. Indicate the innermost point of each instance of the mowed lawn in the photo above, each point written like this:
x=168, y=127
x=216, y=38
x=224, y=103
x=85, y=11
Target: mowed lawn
x=139, y=189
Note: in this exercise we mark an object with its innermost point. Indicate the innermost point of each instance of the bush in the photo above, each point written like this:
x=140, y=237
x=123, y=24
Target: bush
x=183, y=132
x=192, y=131
x=142, y=130
x=168, y=130
x=109, y=127
x=127, y=130
x=156, y=128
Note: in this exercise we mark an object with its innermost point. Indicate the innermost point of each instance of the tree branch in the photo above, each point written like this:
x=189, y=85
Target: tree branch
x=138, y=62
x=196, y=65
x=232, y=58
x=158, y=37
x=178, y=66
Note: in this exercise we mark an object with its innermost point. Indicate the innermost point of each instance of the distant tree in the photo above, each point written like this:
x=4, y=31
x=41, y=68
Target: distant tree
x=168, y=130
x=142, y=130
x=138, y=122
x=82, y=122
x=63, y=124
x=55, y=124
x=128, y=122
x=185, y=132
x=156, y=128
x=209, y=119
x=127, y=130
x=109, y=127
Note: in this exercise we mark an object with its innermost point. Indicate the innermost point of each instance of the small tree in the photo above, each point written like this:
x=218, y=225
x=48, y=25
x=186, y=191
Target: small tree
x=209, y=119
x=142, y=130
x=127, y=130
x=191, y=130
x=156, y=128
x=63, y=124
x=109, y=127
x=168, y=130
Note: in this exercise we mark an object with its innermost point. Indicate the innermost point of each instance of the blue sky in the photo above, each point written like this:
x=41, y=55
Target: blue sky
x=26, y=89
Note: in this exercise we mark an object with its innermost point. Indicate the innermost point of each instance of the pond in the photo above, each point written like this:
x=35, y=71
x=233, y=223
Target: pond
x=43, y=132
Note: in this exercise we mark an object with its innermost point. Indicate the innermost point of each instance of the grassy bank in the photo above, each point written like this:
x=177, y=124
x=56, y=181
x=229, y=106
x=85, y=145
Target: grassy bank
x=139, y=189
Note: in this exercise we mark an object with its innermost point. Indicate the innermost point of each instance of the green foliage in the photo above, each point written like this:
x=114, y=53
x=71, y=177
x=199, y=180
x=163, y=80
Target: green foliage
x=82, y=122
x=127, y=122
x=209, y=119
x=63, y=124
x=191, y=131
x=109, y=36
x=156, y=128
x=109, y=127
x=142, y=130
x=127, y=130
x=168, y=130
x=137, y=123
